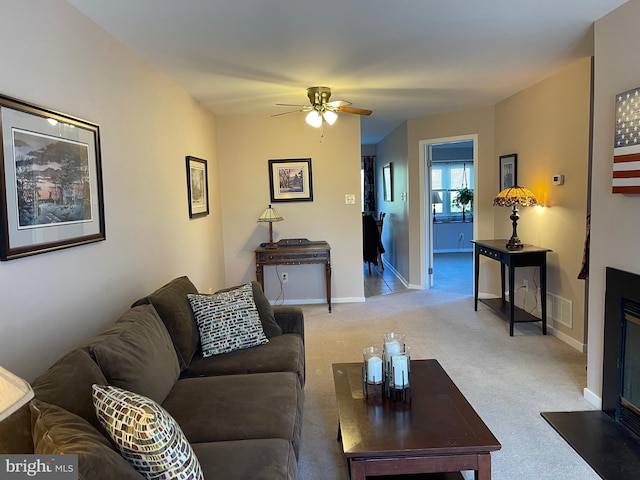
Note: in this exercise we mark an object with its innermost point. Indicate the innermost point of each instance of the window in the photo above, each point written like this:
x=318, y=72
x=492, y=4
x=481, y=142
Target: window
x=447, y=178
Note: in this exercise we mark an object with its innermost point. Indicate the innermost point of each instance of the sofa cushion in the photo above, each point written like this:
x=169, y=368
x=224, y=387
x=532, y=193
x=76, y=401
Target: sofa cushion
x=170, y=301
x=227, y=321
x=15, y=432
x=236, y=407
x=67, y=383
x=265, y=310
x=57, y=431
x=271, y=459
x=137, y=354
x=284, y=353
x=146, y=434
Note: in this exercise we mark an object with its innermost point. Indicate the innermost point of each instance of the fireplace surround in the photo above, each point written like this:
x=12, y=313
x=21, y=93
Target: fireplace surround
x=609, y=439
x=622, y=306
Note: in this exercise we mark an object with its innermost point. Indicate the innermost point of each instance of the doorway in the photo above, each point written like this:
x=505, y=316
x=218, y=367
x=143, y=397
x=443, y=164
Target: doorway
x=448, y=224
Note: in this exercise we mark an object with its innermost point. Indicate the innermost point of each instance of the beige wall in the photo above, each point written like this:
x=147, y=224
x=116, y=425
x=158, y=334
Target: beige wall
x=478, y=123
x=51, y=302
x=547, y=125
x=246, y=143
x=395, y=231
x=615, y=219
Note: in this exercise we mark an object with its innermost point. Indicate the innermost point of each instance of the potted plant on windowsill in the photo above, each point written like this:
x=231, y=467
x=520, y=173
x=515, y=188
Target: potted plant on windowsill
x=462, y=199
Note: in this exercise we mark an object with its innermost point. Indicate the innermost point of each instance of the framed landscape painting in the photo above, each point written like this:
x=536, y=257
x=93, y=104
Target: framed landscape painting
x=290, y=180
x=50, y=181
x=197, y=187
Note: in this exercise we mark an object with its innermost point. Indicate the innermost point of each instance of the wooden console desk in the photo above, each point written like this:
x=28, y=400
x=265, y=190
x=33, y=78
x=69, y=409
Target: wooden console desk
x=295, y=251
x=527, y=256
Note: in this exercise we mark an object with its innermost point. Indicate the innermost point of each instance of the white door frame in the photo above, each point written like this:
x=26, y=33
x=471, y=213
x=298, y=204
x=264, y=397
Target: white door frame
x=426, y=219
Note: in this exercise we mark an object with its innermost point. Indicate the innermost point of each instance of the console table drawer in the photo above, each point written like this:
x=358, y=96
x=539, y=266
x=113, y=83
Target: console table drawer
x=292, y=258
x=489, y=253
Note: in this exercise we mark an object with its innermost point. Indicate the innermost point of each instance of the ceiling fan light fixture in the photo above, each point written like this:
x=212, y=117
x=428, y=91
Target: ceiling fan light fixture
x=330, y=116
x=314, y=119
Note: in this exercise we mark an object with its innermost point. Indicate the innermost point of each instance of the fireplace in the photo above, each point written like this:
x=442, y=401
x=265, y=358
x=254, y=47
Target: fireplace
x=621, y=365
x=628, y=408
x=609, y=439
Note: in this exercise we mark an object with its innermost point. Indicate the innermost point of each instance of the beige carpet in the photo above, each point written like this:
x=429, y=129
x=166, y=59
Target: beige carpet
x=508, y=380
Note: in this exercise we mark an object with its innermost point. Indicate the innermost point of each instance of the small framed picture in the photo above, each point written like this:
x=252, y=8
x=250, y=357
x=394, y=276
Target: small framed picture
x=290, y=180
x=197, y=187
x=508, y=170
x=387, y=182
x=50, y=180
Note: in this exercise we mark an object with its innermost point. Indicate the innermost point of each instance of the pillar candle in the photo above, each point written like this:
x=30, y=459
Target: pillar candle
x=374, y=370
x=400, y=366
x=392, y=347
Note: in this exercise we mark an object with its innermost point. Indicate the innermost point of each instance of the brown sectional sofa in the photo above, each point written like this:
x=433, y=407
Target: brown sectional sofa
x=240, y=411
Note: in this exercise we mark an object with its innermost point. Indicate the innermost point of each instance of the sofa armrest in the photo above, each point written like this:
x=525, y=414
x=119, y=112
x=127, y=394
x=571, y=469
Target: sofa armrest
x=290, y=319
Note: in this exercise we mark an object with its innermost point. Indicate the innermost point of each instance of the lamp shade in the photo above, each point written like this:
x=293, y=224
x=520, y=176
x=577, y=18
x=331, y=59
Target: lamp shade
x=270, y=215
x=330, y=117
x=435, y=197
x=515, y=196
x=314, y=118
x=14, y=392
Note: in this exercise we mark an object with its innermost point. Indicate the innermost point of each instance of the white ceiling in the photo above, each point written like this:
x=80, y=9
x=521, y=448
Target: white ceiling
x=400, y=58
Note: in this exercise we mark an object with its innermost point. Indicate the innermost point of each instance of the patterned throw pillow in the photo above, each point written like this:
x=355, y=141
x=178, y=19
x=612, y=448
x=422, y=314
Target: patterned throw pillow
x=146, y=435
x=227, y=321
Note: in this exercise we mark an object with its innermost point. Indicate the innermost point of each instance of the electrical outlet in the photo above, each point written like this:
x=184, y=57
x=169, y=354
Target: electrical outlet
x=525, y=284
x=284, y=277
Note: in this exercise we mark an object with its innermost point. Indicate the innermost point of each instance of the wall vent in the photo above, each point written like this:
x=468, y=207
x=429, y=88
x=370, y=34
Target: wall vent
x=560, y=309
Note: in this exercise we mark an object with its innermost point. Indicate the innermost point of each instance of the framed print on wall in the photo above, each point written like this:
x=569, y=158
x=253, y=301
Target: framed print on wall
x=50, y=181
x=387, y=182
x=197, y=187
x=508, y=170
x=290, y=180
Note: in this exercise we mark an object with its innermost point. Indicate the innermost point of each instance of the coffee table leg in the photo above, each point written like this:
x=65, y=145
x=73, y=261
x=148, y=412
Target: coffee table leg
x=357, y=470
x=484, y=467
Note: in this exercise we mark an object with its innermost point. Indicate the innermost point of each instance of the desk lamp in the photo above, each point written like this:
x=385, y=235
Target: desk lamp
x=14, y=392
x=435, y=199
x=270, y=215
x=512, y=197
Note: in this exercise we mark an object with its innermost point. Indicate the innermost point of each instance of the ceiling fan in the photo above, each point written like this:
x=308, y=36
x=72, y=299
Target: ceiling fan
x=321, y=109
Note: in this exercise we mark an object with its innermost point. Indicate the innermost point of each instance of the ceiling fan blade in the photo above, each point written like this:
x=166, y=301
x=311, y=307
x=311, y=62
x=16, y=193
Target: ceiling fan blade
x=289, y=105
x=286, y=113
x=357, y=111
x=339, y=103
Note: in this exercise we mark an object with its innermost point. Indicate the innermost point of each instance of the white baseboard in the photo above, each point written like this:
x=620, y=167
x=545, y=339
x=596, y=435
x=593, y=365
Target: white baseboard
x=592, y=398
x=318, y=301
x=572, y=342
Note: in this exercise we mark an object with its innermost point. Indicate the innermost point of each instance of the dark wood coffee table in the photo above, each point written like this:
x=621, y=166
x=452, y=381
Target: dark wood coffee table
x=438, y=431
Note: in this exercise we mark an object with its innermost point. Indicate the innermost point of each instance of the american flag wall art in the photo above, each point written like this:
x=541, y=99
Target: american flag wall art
x=626, y=149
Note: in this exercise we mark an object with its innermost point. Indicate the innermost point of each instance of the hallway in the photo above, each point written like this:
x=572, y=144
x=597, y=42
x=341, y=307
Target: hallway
x=453, y=272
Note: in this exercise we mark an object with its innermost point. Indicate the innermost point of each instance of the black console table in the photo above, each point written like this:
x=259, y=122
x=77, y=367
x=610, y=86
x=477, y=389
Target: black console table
x=527, y=256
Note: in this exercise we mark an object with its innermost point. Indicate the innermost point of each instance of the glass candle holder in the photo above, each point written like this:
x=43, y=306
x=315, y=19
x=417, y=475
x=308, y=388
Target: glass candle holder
x=400, y=370
x=373, y=369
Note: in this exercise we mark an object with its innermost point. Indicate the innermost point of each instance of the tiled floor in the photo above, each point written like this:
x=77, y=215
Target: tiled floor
x=380, y=282
x=453, y=272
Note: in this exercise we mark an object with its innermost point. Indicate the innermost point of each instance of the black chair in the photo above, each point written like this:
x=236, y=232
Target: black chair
x=372, y=248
